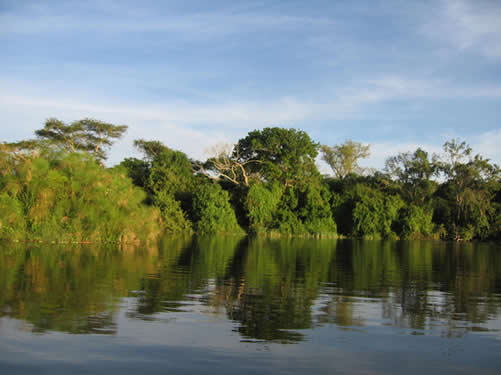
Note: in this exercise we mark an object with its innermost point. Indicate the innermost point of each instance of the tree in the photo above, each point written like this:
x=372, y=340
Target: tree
x=471, y=184
x=213, y=212
x=261, y=205
x=150, y=149
x=169, y=170
x=343, y=159
x=83, y=135
x=374, y=213
x=167, y=175
x=414, y=172
x=276, y=154
x=227, y=163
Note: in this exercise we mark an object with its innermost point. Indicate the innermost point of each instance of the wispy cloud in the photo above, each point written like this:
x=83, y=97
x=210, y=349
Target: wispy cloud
x=214, y=23
x=190, y=126
x=468, y=25
x=342, y=103
x=397, y=86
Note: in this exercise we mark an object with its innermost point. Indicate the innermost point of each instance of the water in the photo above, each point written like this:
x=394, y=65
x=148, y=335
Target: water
x=226, y=304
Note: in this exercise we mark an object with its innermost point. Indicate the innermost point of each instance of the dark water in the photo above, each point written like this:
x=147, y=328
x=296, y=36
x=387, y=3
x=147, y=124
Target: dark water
x=224, y=305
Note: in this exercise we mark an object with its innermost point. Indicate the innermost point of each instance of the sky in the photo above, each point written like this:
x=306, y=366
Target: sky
x=395, y=74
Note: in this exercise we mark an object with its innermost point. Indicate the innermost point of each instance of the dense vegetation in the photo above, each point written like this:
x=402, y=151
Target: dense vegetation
x=57, y=187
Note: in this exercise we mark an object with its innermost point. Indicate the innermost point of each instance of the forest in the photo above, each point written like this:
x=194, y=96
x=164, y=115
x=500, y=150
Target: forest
x=56, y=187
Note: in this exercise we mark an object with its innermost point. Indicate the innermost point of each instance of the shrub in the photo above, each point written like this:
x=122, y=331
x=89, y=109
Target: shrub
x=212, y=211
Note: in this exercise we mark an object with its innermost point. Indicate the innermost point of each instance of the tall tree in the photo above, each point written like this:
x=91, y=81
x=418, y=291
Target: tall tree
x=88, y=135
x=169, y=170
x=167, y=176
x=343, y=158
x=276, y=154
x=471, y=182
x=414, y=172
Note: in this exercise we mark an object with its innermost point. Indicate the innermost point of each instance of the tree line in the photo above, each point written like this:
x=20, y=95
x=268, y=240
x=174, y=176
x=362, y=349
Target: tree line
x=56, y=186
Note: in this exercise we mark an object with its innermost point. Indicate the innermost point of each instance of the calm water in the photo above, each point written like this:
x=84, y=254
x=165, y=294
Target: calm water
x=224, y=304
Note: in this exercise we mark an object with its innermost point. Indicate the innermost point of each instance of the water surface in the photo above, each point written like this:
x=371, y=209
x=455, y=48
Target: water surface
x=217, y=304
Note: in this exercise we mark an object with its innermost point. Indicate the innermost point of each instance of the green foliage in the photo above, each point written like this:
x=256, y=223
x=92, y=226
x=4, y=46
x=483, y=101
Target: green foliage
x=465, y=204
x=173, y=217
x=287, y=222
x=343, y=159
x=267, y=182
x=374, y=213
x=171, y=172
x=315, y=211
x=167, y=176
x=416, y=222
x=138, y=170
x=261, y=204
x=213, y=212
x=12, y=224
x=68, y=197
x=286, y=156
x=84, y=135
x=295, y=210
x=414, y=172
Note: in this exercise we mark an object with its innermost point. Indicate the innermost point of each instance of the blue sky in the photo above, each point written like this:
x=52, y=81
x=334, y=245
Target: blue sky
x=394, y=74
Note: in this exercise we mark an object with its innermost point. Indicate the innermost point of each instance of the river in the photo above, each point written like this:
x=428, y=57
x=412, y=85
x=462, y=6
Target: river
x=226, y=304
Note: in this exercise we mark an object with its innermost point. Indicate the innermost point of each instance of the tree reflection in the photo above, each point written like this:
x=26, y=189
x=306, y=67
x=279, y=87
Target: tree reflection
x=67, y=289
x=272, y=289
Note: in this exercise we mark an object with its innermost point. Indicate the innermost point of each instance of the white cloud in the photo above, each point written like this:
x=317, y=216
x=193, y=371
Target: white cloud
x=469, y=25
x=396, y=86
x=199, y=25
x=180, y=125
x=487, y=145
x=344, y=103
x=192, y=127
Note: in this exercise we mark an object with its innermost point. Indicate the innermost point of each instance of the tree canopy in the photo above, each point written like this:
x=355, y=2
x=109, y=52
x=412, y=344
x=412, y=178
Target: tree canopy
x=88, y=135
x=414, y=171
x=343, y=158
x=283, y=155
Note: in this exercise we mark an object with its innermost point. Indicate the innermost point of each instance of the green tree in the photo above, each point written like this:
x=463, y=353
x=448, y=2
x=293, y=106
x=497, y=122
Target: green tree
x=471, y=184
x=167, y=176
x=415, y=222
x=83, y=135
x=213, y=212
x=374, y=214
x=414, y=172
x=343, y=159
x=261, y=205
x=138, y=170
x=283, y=155
x=315, y=210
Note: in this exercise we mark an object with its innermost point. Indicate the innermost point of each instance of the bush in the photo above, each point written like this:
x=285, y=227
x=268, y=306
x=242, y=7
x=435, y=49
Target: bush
x=69, y=197
x=416, y=222
x=315, y=211
x=374, y=214
x=212, y=211
x=173, y=218
x=12, y=224
x=261, y=204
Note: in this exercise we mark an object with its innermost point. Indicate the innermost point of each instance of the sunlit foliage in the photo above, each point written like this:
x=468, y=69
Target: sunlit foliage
x=69, y=197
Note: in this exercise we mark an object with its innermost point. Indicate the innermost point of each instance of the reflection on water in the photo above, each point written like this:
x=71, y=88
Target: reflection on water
x=272, y=290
